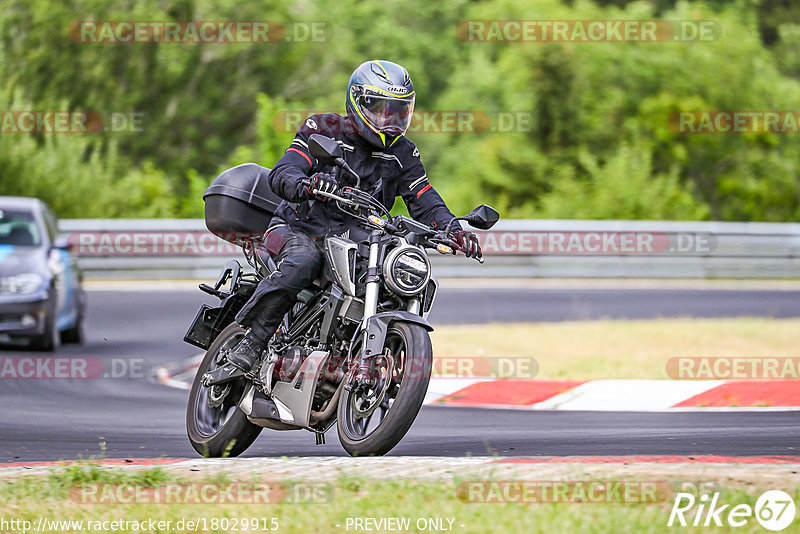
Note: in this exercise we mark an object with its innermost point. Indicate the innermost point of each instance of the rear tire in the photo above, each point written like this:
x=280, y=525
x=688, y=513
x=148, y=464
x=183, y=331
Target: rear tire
x=407, y=403
x=237, y=433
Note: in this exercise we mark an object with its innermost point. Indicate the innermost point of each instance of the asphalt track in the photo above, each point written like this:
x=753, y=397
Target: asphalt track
x=134, y=416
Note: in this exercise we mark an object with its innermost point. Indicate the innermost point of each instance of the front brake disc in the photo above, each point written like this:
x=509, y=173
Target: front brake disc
x=379, y=394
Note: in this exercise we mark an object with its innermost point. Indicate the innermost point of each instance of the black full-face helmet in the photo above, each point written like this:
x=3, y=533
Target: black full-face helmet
x=380, y=101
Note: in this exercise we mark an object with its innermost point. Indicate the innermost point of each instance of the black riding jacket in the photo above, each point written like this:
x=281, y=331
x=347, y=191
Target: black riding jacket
x=386, y=174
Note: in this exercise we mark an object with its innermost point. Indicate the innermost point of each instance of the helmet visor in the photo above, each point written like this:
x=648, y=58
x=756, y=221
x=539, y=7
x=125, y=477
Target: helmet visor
x=386, y=114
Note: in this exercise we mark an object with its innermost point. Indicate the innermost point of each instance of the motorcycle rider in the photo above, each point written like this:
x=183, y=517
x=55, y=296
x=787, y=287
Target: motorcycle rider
x=380, y=104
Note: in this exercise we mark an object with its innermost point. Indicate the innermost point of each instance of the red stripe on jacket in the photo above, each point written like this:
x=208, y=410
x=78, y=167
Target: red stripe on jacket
x=423, y=190
x=302, y=154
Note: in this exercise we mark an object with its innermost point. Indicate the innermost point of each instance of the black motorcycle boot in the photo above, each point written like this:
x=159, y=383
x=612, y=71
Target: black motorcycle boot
x=245, y=354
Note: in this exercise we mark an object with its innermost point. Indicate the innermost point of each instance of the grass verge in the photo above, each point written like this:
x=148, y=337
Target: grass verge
x=618, y=349
x=334, y=508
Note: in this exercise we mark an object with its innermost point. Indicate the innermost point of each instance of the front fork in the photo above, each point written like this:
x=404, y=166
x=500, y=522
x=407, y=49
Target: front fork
x=371, y=296
x=373, y=285
x=373, y=282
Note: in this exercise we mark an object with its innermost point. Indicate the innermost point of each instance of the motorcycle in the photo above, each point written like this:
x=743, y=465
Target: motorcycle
x=355, y=348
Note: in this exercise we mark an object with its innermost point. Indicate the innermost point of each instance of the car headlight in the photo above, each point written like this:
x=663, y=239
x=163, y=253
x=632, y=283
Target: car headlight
x=21, y=284
x=406, y=270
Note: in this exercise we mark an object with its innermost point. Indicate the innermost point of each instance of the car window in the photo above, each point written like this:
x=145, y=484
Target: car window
x=18, y=228
x=50, y=224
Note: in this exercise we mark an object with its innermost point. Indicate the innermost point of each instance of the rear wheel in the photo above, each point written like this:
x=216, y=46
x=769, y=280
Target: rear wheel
x=215, y=424
x=372, y=420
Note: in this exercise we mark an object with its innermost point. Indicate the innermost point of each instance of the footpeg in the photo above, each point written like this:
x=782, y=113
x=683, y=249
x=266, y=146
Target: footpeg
x=220, y=375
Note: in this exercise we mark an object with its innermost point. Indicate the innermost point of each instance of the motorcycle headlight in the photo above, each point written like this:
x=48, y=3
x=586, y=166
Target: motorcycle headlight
x=21, y=284
x=407, y=270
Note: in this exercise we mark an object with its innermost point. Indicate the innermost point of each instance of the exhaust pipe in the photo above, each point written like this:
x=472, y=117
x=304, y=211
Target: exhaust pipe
x=326, y=414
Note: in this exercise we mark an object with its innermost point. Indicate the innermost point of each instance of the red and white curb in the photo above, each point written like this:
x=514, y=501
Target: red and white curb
x=179, y=375
x=594, y=395
x=619, y=395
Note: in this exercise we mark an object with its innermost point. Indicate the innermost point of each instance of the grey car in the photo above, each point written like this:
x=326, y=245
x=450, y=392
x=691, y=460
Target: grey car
x=41, y=294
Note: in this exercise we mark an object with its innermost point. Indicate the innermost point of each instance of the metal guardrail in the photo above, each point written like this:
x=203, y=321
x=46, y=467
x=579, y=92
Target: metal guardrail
x=183, y=248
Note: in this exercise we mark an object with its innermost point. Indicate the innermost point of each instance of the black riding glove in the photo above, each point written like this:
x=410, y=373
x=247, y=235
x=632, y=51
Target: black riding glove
x=468, y=243
x=322, y=182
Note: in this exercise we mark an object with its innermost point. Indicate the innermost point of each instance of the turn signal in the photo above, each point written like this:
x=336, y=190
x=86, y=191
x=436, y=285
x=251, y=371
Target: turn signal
x=377, y=221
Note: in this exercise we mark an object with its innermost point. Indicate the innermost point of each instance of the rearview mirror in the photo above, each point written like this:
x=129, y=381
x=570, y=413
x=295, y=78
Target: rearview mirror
x=324, y=148
x=62, y=242
x=483, y=217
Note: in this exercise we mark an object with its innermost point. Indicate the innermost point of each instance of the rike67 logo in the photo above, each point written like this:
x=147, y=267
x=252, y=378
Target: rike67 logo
x=774, y=510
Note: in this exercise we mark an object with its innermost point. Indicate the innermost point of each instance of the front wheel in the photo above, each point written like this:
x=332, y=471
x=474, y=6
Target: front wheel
x=214, y=422
x=74, y=334
x=77, y=332
x=372, y=420
x=50, y=339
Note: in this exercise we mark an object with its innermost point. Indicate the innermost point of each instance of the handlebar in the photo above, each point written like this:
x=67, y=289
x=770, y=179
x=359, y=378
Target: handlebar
x=446, y=239
x=332, y=196
x=318, y=193
x=439, y=237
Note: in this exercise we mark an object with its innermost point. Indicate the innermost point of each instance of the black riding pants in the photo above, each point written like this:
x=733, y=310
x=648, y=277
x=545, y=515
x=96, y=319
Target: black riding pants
x=299, y=260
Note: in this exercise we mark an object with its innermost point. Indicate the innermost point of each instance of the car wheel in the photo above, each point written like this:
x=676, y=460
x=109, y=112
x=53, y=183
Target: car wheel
x=74, y=334
x=50, y=339
x=77, y=332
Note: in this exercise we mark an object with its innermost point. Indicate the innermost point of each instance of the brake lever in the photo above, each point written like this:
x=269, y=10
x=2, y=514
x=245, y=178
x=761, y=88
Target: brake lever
x=448, y=241
x=317, y=192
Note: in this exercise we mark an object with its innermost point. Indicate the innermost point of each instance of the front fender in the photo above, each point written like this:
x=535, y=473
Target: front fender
x=377, y=326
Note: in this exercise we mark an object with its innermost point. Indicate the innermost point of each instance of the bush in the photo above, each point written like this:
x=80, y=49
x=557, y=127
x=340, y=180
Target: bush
x=597, y=145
